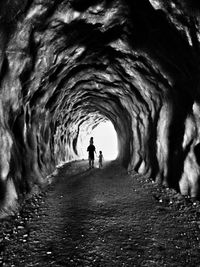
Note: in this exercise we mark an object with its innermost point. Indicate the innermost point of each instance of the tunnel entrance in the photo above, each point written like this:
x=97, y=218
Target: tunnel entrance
x=67, y=71
x=105, y=139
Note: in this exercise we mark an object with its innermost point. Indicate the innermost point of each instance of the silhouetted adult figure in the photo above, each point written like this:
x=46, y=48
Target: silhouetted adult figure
x=91, y=149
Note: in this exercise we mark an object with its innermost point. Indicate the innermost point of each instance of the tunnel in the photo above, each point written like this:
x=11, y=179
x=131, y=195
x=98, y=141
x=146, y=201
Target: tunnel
x=67, y=66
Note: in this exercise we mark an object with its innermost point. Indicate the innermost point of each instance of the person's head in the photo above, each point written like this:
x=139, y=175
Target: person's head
x=91, y=140
x=100, y=152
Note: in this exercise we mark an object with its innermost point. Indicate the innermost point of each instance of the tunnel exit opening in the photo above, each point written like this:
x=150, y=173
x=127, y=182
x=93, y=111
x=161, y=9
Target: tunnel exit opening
x=105, y=140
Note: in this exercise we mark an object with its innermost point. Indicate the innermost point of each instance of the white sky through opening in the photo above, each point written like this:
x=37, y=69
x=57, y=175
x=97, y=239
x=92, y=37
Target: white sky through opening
x=105, y=139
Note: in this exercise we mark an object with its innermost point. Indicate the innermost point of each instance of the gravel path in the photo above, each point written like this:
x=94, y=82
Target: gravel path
x=103, y=218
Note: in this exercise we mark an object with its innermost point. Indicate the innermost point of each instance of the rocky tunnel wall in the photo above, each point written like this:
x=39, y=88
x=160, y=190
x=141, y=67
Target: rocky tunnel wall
x=66, y=66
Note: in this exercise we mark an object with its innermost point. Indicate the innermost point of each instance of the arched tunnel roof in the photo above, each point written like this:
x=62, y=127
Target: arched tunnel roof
x=71, y=64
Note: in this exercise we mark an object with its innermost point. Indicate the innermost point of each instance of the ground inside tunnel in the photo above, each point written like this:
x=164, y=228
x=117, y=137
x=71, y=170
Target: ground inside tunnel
x=103, y=217
x=68, y=66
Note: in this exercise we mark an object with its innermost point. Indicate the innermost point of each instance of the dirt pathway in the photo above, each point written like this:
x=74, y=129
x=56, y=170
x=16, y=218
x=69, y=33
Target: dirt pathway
x=105, y=218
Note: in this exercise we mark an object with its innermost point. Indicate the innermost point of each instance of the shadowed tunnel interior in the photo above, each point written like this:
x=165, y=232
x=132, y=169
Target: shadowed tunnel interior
x=67, y=66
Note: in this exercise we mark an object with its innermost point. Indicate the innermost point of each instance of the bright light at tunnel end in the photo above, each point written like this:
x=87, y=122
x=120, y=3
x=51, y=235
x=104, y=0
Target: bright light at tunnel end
x=105, y=140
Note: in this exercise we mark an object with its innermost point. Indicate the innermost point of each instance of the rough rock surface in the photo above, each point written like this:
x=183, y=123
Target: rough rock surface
x=103, y=218
x=67, y=65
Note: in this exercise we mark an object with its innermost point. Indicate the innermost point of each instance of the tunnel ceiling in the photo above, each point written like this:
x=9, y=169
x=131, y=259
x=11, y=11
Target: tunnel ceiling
x=69, y=65
x=63, y=56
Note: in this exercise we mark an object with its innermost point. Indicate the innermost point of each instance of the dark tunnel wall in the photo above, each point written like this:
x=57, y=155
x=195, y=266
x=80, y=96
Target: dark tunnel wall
x=66, y=66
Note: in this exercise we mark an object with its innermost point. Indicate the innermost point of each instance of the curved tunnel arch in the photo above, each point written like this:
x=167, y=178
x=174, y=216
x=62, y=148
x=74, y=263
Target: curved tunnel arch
x=66, y=65
x=106, y=108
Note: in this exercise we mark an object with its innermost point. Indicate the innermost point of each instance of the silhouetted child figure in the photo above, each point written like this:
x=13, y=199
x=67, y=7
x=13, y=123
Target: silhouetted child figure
x=100, y=159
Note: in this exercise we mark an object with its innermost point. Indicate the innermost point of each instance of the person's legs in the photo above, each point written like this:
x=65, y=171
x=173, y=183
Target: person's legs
x=90, y=163
x=101, y=164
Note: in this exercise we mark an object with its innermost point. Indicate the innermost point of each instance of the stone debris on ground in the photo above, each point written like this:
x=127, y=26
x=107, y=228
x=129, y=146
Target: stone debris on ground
x=102, y=218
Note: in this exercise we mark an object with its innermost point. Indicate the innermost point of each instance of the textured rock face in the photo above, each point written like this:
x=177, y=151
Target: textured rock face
x=68, y=65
